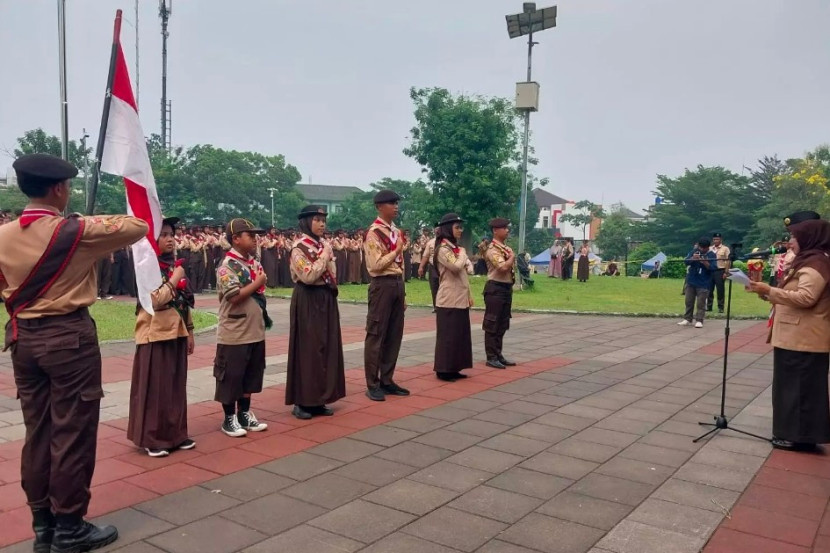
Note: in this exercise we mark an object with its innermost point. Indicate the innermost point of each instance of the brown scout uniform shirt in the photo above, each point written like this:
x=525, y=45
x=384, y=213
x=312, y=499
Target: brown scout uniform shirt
x=380, y=261
x=498, y=269
x=241, y=323
x=801, y=320
x=306, y=272
x=77, y=286
x=722, y=252
x=166, y=324
x=454, y=288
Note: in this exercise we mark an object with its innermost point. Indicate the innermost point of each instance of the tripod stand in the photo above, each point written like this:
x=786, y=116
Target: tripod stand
x=721, y=422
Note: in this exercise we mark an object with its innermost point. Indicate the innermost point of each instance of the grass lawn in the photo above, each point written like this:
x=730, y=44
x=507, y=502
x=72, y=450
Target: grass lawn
x=116, y=319
x=630, y=295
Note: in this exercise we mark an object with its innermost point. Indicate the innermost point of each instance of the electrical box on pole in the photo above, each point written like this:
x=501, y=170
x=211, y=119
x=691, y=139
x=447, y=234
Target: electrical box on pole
x=527, y=96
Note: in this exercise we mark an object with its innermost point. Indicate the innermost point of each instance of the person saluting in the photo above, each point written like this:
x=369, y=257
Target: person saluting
x=48, y=269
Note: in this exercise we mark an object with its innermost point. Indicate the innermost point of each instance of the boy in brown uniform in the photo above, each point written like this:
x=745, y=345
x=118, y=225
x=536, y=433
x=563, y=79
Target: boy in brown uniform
x=48, y=268
x=387, y=299
x=240, y=338
x=498, y=293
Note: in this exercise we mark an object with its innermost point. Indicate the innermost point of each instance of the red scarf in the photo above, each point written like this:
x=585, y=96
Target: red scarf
x=314, y=249
x=250, y=263
x=389, y=241
x=30, y=215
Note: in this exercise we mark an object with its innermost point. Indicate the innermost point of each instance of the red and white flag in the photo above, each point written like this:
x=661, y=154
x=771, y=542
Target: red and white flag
x=125, y=154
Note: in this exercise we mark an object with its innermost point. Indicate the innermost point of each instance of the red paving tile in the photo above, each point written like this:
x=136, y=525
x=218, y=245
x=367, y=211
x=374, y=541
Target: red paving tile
x=10, y=470
x=109, y=470
x=360, y=420
x=814, y=464
x=11, y=496
x=171, y=478
x=777, y=526
x=793, y=481
x=108, y=448
x=824, y=529
x=113, y=496
x=141, y=459
x=321, y=432
x=782, y=501
x=730, y=541
x=16, y=525
x=821, y=544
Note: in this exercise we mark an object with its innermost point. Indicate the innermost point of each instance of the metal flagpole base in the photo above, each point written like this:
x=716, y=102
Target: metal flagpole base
x=722, y=423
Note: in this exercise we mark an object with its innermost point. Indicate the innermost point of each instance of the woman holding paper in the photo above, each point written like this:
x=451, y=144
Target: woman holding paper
x=800, y=335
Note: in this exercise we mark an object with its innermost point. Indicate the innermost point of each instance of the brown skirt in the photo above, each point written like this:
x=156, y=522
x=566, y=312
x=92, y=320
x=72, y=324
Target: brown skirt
x=583, y=268
x=315, y=348
x=800, y=406
x=453, y=343
x=158, y=396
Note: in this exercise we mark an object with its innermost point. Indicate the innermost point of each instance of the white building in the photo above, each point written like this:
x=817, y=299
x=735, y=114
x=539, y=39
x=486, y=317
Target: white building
x=551, y=209
x=327, y=195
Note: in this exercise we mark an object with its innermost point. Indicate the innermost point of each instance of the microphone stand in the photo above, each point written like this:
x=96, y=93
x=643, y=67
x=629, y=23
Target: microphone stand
x=721, y=422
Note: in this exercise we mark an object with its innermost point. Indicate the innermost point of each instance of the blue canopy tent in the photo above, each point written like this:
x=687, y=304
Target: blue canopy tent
x=649, y=265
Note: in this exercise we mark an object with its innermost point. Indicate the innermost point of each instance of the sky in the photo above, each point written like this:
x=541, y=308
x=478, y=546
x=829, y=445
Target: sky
x=629, y=88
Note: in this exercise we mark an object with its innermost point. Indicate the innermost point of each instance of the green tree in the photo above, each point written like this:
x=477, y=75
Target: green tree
x=468, y=147
x=640, y=255
x=584, y=213
x=615, y=234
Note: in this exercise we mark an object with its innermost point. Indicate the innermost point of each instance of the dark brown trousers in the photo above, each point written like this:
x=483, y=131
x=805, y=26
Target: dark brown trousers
x=434, y=281
x=498, y=300
x=384, y=329
x=57, y=370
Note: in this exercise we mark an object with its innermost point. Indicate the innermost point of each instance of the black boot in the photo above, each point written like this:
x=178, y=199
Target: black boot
x=74, y=535
x=43, y=523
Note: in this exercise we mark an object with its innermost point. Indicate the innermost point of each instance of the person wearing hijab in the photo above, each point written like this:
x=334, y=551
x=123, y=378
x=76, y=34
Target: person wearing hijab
x=800, y=336
x=453, y=343
x=315, y=347
x=158, y=396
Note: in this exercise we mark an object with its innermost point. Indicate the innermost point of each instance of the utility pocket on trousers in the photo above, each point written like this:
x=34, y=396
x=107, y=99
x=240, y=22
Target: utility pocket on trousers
x=219, y=366
x=92, y=394
x=372, y=326
x=490, y=324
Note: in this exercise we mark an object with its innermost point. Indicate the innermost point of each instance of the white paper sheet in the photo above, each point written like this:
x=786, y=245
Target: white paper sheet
x=739, y=277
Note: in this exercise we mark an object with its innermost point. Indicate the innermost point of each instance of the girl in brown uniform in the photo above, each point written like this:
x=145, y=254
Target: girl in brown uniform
x=158, y=397
x=315, y=348
x=453, y=343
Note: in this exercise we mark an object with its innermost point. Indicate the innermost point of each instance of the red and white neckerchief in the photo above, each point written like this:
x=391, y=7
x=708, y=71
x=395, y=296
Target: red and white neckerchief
x=394, y=234
x=316, y=248
x=32, y=214
x=504, y=247
x=250, y=263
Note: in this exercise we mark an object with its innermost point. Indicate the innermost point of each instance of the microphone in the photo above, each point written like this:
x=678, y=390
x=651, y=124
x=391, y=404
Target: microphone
x=765, y=253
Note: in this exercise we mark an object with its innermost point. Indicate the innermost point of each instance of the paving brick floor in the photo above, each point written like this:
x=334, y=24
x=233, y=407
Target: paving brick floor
x=586, y=446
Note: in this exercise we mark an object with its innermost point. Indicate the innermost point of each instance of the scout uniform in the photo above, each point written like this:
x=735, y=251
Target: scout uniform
x=722, y=252
x=47, y=281
x=239, y=366
x=498, y=298
x=387, y=302
x=198, y=262
x=315, y=371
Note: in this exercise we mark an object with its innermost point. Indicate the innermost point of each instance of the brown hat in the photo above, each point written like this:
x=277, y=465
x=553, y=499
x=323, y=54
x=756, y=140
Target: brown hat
x=386, y=197
x=499, y=222
x=44, y=166
x=242, y=225
x=312, y=211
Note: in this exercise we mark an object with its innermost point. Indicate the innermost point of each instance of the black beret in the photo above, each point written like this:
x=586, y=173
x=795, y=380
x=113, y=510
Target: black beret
x=386, y=197
x=499, y=222
x=717, y=235
x=449, y=219
x=800, y=217
x=311, y=211
x=170, y=221
x=44, y=166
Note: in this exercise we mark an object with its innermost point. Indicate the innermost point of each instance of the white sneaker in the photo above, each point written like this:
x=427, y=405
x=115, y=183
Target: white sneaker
x=684, y=322
x=232, y=428
x=157, y=452
x=247, y=420
x=698, y=324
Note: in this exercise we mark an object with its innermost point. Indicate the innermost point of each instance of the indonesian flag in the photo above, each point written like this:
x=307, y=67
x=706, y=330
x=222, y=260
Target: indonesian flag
x=125, y=155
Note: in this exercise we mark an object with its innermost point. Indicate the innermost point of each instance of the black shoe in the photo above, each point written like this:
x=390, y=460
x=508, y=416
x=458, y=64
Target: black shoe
x=506, y=363
x=43, y=523
x=447, y=377
x=187, y=444
x=73, y=535
x=321, y=411
x=495, y=363
x=301, y=413
x=783, y=444
x=393, y=389
x=375, y=394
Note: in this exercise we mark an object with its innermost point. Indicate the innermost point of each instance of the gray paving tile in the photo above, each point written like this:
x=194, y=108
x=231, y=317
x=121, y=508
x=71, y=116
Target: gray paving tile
x=273, y=514
x=529, y=482
x=701, y=496
x=551, y=535
x=529, y=408
x=248, y=484
x=187, y=505
x=728, y=479
x=477, y=404
x=133, y=525
x=447, y=439
x=306, y=538
x=448, y=413
x=384, y=435
x=497, y=397
x=691, y=521
x=565, y=421
x=414, y=454
x=559, y=465
x=671, y=441
x=375, y=471
x=404, y=543
x=549, y=400
x=655, y=454
x=455, y=529
x=497, y=504
x=728, y=459
x=417, y=423
x=518, y=445
x=588, y=451
x=411, y=496
x=638, y=471
x=498, y=546
x=345, y=449
x=328, y=490
x=582, y=509
x=301, y=466
x=214, y=534
x=634, y=537
x=136, y=547
x=543, y=432
x=451, y=476
x=481, y=428
x=362, y=521
x=612, y=489
x=485, y=459
x=503, y=416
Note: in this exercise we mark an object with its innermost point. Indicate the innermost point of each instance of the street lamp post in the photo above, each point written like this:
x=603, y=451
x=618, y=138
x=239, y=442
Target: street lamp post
x=528, y=22
x=272, y=190
x=86, y=167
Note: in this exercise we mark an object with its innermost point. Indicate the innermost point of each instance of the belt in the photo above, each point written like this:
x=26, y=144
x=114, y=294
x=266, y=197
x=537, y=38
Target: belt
x=388, y=277
x=502, y=284
x=80, y=314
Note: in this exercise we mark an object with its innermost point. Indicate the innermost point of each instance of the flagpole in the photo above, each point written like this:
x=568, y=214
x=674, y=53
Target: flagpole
x=102, y=133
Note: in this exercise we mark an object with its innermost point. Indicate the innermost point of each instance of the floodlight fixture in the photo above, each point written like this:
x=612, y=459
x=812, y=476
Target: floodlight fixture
x=532, y=21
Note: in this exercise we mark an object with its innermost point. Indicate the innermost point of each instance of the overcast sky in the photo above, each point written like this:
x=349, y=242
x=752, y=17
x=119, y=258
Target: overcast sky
x=629, y=88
